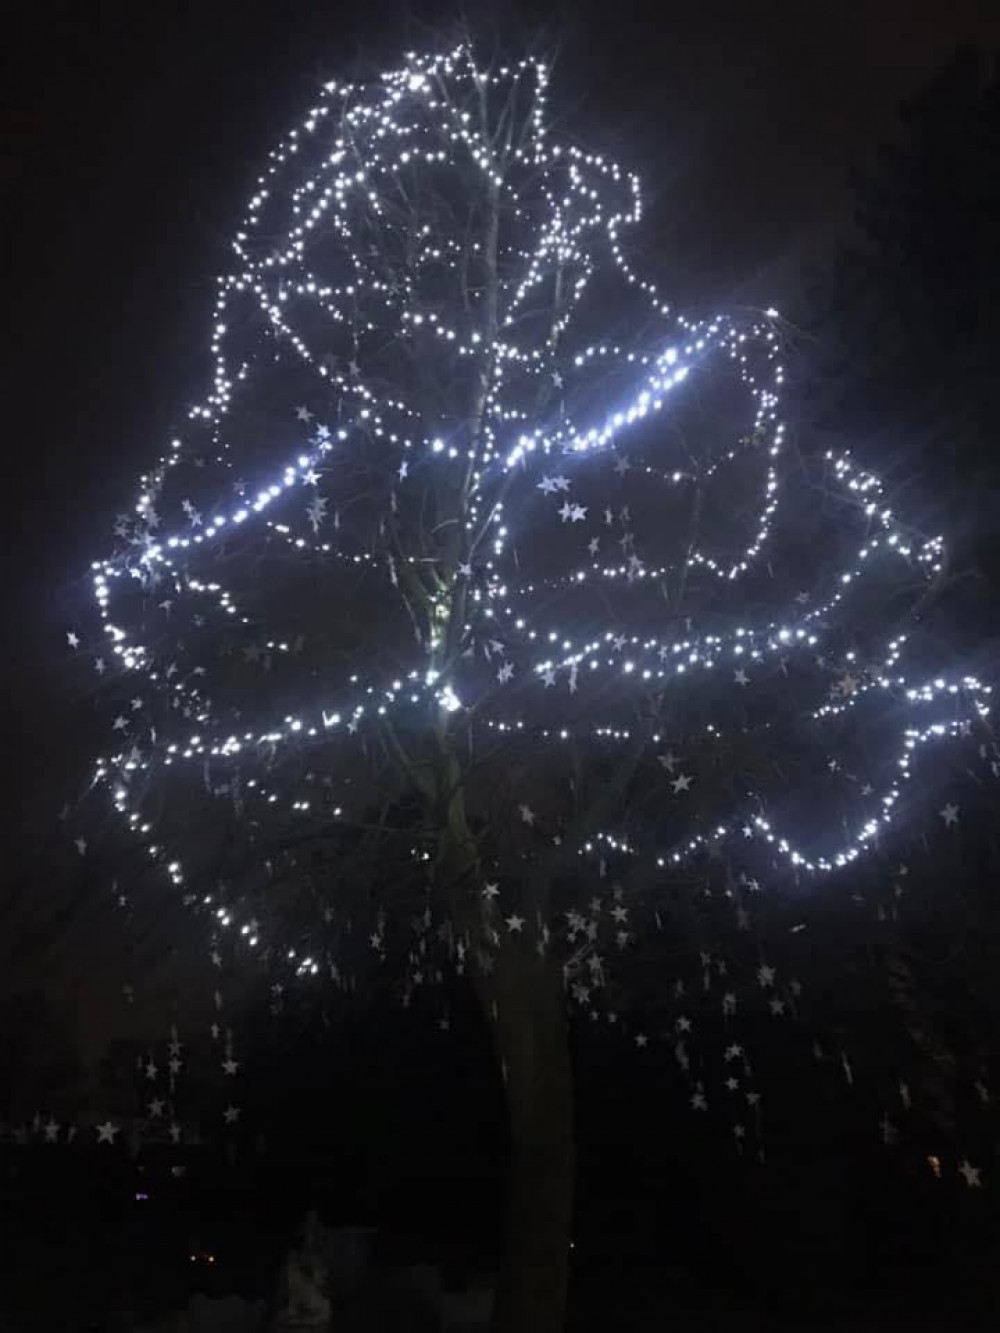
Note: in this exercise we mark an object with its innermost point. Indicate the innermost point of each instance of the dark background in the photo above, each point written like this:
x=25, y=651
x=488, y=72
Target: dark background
x=132, y=134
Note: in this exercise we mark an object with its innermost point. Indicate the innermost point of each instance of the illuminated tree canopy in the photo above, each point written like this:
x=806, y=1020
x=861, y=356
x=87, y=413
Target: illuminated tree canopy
x=463, y=472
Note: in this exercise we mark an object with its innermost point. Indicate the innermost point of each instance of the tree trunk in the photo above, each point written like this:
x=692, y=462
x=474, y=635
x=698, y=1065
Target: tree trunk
x=528, y=1015
x=524, y=1002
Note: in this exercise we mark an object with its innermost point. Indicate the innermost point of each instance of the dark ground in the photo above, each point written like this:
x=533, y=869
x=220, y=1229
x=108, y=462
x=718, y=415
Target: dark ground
x=87, y=1254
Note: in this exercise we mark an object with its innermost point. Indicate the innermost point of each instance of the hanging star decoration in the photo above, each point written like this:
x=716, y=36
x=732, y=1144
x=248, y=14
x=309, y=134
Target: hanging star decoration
x=970, y=1174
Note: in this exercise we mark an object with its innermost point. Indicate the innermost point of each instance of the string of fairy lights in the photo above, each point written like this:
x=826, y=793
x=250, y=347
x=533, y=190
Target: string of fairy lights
x=340, y=175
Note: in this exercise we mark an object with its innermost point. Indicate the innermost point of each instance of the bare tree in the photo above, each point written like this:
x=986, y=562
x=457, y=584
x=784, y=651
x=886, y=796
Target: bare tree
x=450, y=630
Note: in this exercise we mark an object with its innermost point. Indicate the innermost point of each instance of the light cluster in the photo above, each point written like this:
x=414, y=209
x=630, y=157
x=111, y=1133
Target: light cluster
x=335, y=300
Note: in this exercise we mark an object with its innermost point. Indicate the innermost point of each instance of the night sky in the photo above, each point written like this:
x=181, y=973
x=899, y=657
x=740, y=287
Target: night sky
x=132, y=136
